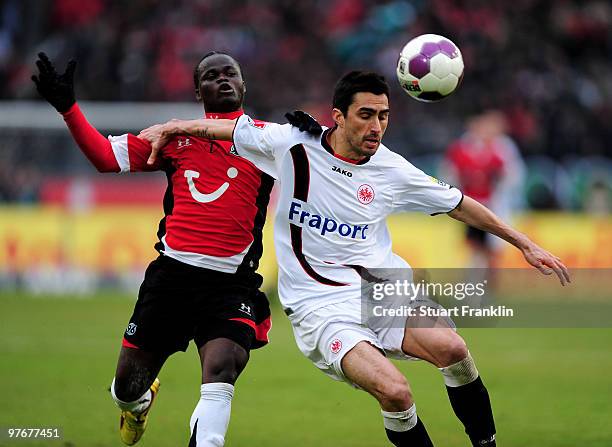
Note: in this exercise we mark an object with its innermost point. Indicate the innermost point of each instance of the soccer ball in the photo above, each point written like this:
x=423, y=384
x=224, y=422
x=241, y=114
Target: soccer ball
x=430, y=67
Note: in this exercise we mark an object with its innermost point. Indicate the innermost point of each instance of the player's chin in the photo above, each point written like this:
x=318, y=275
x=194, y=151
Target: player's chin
x=228, y=103
x=369, y=147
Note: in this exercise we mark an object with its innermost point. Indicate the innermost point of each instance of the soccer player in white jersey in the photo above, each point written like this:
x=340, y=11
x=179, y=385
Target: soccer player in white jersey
x=337, y=188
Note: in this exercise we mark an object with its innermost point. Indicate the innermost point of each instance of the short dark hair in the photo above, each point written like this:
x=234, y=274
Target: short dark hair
x=355, y=82
x=196, y=69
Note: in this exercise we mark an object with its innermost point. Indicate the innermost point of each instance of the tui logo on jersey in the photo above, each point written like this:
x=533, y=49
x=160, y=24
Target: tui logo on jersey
x=201, y=197
x=325, y=225
x=365, y=194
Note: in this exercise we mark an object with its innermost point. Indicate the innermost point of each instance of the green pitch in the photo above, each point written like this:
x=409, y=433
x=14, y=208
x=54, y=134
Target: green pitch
x=57, y=359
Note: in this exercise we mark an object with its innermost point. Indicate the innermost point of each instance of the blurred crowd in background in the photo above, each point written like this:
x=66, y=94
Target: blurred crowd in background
x=545, y=65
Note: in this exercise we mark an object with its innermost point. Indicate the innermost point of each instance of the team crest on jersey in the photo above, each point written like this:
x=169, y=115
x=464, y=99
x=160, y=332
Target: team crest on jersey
x=335, y=346
x=183, y=142
x=131, y=329
x=233, y=150
x=365, y=194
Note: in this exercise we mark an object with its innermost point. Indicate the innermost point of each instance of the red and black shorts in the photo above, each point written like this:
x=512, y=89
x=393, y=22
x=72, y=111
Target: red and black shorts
x=178, y=303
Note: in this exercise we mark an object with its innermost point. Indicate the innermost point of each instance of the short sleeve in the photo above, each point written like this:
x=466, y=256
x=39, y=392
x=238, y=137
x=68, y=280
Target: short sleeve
x=132, y=153
x=413, y=190
x=263, y=144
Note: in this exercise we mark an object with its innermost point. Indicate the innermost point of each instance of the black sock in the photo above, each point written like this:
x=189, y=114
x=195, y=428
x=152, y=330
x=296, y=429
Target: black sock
x=415, y=437
x=473, y=408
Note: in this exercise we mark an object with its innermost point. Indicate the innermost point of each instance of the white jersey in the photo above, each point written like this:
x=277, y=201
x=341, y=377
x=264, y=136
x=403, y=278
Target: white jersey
x=330, y=224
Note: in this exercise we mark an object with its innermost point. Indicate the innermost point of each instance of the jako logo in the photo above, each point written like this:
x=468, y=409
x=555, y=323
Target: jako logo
x=207, y=198
x=342, y=171
x=324, y=224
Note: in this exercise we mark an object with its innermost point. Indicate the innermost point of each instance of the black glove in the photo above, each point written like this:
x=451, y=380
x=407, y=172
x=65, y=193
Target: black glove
x=57, y=89
x=304, y=122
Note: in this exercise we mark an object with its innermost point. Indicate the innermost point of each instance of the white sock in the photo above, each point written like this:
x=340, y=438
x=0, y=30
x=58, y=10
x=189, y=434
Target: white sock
x=137, y=406
x=400, y=421
x=460, y=373
x=212, y=414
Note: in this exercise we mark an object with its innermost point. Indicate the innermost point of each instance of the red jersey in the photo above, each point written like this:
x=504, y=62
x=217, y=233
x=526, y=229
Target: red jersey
x=215, y=204
x=478, y=167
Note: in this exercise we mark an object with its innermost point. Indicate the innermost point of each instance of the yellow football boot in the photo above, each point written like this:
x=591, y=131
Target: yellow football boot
x=133, y=425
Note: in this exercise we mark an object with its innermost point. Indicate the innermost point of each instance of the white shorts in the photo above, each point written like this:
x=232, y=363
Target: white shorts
x=326, y=334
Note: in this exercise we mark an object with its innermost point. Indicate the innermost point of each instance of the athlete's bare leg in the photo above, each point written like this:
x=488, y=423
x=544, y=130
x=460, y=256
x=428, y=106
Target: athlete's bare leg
x=222, y=361
x=434, y=341
x=441, y=346
x=136, y=371
x=367, y=367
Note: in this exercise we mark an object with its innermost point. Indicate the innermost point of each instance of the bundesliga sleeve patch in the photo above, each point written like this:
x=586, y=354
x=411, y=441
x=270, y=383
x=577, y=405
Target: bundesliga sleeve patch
x=439, y=182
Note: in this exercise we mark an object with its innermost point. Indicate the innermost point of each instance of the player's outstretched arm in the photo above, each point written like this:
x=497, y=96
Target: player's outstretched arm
x=159, y=134
x=58, y=90
x=477, y=215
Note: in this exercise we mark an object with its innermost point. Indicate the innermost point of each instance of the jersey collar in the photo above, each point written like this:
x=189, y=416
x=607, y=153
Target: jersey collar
x=224, y=116
x=329, y=149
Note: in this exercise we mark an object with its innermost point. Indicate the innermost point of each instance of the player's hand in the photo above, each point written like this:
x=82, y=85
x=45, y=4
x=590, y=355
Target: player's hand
x=304, y=121
x=546, y=262
x=158, y=135
x=57, y=89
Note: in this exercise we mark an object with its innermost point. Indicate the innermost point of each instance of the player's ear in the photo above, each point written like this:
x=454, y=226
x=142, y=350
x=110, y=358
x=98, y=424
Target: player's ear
x=338, y=117
x=243, y=88
x=198, y=95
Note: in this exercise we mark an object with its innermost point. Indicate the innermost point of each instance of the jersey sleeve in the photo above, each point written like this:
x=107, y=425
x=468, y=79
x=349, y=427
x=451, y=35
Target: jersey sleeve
x=263, y=144
x=132, y=153
x=413, y=190
x=124, y=153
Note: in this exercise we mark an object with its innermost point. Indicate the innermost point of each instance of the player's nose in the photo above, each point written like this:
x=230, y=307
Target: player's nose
x=376, y=127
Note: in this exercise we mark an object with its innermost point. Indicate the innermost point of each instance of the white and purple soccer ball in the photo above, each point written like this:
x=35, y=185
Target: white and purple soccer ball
x=430, y=67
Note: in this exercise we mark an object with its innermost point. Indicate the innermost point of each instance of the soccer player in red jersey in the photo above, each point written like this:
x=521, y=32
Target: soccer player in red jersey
x=486, y=165
x=203, y=286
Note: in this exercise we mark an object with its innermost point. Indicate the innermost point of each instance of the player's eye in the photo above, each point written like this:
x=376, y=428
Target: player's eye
x=232, y=73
